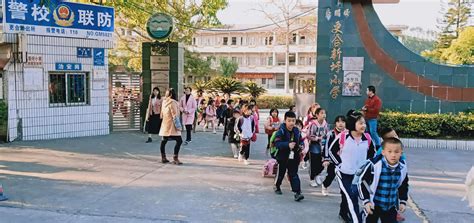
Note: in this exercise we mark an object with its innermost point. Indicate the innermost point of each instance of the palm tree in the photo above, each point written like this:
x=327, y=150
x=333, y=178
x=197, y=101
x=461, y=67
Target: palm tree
x=201, y=86
x=226, y=85
x=254, y=89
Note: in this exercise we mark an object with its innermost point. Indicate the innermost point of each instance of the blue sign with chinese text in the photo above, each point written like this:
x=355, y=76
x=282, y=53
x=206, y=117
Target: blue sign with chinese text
x=59, y=18
x=99, y=57
x=84, y=52
x=69, y=66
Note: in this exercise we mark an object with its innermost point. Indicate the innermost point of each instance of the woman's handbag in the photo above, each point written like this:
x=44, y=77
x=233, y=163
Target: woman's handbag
x=177, y=123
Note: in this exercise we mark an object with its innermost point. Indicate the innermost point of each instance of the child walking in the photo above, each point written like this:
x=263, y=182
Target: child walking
x=316, y=135
x=273, y=124
x=211, y=116
x=330, y=162
x=234, y=138
x=349, y=152
x=245, y=127
x=383, y=184
x=288, y=142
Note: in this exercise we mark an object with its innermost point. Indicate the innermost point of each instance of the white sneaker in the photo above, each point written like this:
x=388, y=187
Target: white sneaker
x=204, y=129
x=319, y=179
x=246, y=162
x=240, y=157
x=236, y=156
x=313, y=183
x=324, y=191
x=214, y=132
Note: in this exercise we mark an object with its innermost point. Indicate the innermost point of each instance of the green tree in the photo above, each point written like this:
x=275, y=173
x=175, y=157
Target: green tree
x=201, y=86
x=461, y=50
x=417, y=45
x=196, y=66
x=254, y=89
x=228, y=67
x=131, y=17
x=226, y=85
x=456, y=14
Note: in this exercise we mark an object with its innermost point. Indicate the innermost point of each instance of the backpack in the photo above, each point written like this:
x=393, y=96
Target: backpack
x=342, y=140
x=270, y=168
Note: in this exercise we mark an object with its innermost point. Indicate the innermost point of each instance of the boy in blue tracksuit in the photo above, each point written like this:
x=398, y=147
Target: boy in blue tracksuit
x=382, y=183
x=288, y=141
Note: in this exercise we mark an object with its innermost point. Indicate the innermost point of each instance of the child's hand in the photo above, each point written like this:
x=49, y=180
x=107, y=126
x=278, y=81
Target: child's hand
x=369, y=207
x=325, y=164
x=292, y=145
x=402, y=208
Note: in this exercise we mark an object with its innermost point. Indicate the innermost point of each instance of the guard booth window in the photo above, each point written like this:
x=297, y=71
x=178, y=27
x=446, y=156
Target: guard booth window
x=68, y=89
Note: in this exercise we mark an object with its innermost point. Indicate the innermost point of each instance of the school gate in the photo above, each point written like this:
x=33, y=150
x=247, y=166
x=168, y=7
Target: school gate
x=125, y=101
x=355, y=51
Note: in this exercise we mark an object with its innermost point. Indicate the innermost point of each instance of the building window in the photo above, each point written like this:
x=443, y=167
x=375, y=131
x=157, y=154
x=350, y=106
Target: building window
x=234, y=41
x=225, y=40
x=68, y=89
x=194, y=41
x=302, y=61
x=264, y=81
x=269, y=40
x=293, y=40
x=302, y=40
x=292, y=58
x=241, y=41
x=270, y=61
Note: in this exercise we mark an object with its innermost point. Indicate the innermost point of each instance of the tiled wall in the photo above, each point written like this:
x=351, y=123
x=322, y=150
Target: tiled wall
x=404, y=80
x=30, y=115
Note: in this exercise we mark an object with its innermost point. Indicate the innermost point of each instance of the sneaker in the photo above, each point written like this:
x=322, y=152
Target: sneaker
x=277, y=190
x=246, y=162
x=324, y=191
x=304, y=165
x=240, y=157
x=214, y=132
x=298, y=197
x=313, y=183
x=149, y=140
x=344, y=218
x=236, y=156
x=186, y=142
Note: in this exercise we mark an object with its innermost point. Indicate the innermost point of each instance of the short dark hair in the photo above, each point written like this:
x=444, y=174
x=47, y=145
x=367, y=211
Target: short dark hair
x=272, y=110
x=392, y=140
x=222, y=100
x=371, y=88
x=299, y=122
x=230, y=101
x=292, y=106
x=385, y=131
x=210, y=102
x=340, y=118
x=318, y=110
x=290, y=114
x=352, y=117
x=188, y=87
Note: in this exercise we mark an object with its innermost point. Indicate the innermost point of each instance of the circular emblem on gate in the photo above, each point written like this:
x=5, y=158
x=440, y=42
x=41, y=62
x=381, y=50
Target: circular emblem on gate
x=63, y=15
x=159, y=26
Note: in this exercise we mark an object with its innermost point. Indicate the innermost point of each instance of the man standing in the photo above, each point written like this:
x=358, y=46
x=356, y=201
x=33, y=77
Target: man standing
x=188, y=105
x=371, y=109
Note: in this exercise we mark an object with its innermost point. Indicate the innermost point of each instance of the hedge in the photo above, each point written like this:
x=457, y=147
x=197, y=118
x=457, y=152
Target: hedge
x=459, y=125
x=268, y=102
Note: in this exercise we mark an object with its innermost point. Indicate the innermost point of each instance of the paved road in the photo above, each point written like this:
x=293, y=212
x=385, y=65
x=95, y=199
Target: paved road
x=118, y=178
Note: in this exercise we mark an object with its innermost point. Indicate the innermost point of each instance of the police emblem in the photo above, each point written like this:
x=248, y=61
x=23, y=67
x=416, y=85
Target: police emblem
x=63, y=15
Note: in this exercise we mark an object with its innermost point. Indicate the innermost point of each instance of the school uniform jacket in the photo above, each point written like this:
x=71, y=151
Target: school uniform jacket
x=330, y=139
x=367, y=180
x=353, y=155
x=282, y=142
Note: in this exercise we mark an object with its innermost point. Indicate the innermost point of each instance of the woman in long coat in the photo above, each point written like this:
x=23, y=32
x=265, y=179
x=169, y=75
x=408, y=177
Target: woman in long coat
x=187, y=106
x=169, y=112
x=153, y=119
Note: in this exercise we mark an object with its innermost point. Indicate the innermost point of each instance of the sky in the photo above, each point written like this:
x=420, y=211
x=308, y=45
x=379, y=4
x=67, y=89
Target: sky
x=413, y=13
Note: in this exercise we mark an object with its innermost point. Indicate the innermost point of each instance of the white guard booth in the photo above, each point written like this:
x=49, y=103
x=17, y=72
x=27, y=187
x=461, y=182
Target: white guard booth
x=55, y=72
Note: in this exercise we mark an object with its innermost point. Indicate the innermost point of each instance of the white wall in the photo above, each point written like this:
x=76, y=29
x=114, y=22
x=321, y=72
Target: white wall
x=40, y=121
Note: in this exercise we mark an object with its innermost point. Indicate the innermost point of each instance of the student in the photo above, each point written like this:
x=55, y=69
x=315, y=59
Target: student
x=211, y=116
x=288, y=141
x=340, y=124
x=316, y=135
x=234, y=139
x=310, y=114
x=201, y=112
x=221, y=110
x=228, y=114
x=383, y=184
x=349, y=152
x=273, y=124
x=245, y=127
x=255, y=113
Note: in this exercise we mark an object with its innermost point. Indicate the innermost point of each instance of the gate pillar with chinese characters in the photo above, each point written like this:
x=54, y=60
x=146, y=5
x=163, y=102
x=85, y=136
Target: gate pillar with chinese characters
x=55, y=81
x=355, y=50
x=162, y=60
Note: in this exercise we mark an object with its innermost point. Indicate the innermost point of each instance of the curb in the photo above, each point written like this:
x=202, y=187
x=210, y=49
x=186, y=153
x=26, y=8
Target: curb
x=438, y=144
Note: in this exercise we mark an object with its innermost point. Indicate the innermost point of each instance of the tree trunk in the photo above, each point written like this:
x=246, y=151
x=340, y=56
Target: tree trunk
x=287, y=60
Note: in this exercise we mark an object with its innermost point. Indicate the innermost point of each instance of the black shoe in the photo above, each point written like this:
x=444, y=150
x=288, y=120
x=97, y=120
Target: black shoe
x=277, y=190
x=298, y=197
x=185, y=142
x=149, y=140
x=344, y=218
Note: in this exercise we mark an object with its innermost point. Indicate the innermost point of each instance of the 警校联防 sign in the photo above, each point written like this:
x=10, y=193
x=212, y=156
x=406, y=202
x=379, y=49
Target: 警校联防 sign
x=58, y=18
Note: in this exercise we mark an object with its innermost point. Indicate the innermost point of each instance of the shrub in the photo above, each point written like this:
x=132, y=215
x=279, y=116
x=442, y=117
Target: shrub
x=459, y=125
x=268, y=102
